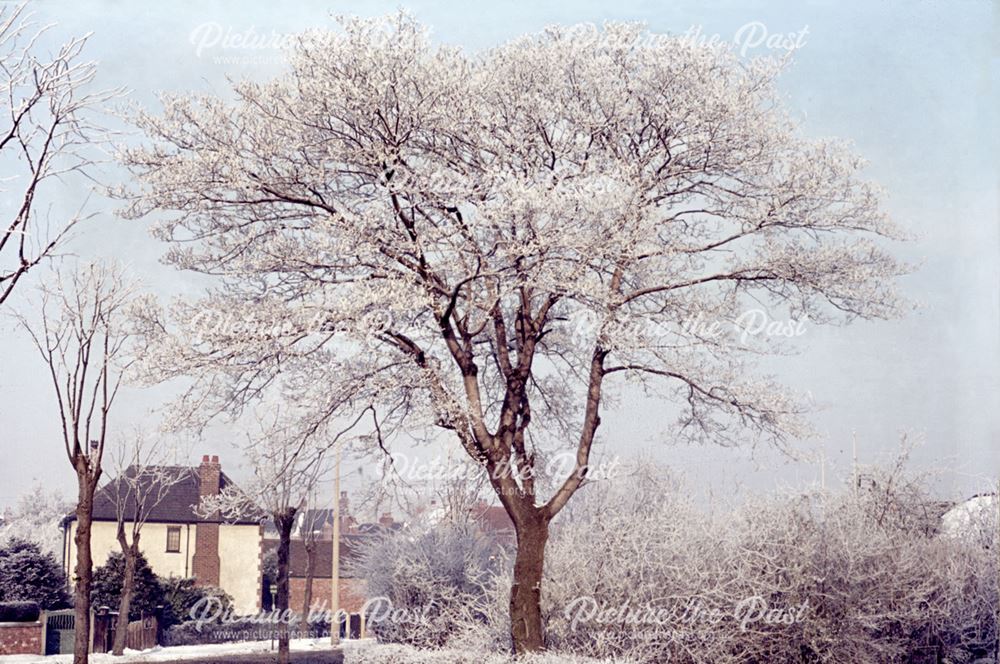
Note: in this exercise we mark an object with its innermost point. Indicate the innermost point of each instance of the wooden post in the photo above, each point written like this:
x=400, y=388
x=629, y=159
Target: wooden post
x=822, y=470
x=45, y=630
x=335, y=572
x=855, y=480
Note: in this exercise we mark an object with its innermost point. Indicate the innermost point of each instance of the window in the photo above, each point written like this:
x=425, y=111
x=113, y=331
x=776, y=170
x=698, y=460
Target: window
x=174, y=539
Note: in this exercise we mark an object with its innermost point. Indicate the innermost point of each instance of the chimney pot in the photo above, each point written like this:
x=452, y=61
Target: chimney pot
x=215, y=459
x=204, y=458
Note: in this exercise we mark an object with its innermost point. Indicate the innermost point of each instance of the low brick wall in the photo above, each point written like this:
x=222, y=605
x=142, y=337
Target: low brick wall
x=21, y=638
x=352, y=594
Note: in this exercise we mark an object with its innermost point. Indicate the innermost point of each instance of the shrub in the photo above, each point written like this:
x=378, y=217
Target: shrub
x=19, y=611
x=28, y=574
x=437, y=581
x=148, y=598
x=247, y=629
x=181, y=594
x=635, y=569
x=379, y=653
x=873, y=584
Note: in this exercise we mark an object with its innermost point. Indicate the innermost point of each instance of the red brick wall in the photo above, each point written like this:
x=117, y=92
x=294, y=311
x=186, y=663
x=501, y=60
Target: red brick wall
x=352, y=594
x=205, y=563
x=21, y=638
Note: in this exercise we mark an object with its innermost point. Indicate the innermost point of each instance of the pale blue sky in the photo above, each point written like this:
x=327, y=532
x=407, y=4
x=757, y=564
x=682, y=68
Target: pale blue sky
x=912, y=84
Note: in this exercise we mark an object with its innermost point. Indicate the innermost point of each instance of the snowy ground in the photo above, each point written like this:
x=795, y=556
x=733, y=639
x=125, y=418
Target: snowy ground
x=176, y=653
x=370, y=652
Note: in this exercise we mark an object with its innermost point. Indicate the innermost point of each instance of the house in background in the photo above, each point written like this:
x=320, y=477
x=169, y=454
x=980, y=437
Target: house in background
x=353, y=591
x=494, y=522
x=315, y=527
x=976, y=520
x=178, y=542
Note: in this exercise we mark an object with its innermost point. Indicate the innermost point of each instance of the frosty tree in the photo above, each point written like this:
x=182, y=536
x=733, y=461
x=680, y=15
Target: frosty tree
x=488, y=245
x=47, y=133
x=36, y=518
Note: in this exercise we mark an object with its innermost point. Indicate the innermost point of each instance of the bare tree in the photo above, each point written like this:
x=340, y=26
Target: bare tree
x=144, y=479
x=46, y=134
x=311, y=520
x=83, y=336
x=492, y=245
x=285, y=472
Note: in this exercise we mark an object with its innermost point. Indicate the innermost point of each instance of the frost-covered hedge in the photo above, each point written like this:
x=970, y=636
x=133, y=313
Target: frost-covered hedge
x=380, y=653
x=857, y=577
x=436, y=583
x=640, y=570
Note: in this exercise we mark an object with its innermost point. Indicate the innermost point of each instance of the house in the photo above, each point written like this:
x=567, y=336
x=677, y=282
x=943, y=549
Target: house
x=179, y=542
x=974, y=520
x=352, y=591
x=494, y=522
x=315, y=526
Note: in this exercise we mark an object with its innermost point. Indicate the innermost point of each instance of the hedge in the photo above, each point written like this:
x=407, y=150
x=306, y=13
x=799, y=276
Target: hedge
x=19, y=611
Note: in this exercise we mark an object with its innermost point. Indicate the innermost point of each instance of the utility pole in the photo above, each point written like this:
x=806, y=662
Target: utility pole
x=335, y=572
x=854, y=461
x=822, y=469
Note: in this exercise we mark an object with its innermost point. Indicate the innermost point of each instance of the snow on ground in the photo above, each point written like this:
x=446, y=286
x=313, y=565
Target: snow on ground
x=370, y=652
x=173, y=653
x=360, y=651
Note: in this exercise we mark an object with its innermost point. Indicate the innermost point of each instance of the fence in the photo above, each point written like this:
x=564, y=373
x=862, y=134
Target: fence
x=60, y=629
x=142, y=634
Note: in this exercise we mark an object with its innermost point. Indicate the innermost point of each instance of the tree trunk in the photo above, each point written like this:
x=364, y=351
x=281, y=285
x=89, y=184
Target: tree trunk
x=284, y=521
x=84, y=567
x=526, y=591
x=131, y=554
x=310, y=546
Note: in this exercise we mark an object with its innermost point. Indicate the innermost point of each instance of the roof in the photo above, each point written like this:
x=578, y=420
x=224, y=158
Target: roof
x=350, y=546
x=492, y=519
x=177, y=506
x=975, y=518
x=314, y=520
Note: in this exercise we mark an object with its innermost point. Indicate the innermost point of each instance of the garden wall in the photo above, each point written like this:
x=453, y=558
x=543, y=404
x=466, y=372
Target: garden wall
x=22, y=638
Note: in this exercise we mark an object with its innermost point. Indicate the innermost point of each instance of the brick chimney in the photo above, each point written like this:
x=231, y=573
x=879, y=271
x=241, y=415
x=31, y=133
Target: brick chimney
x=205, y=563
x=386, y=520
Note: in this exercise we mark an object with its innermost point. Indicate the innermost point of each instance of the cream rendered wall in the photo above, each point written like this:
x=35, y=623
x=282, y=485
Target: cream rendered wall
x=239, y=556
x=239, y=566
x=152, y=542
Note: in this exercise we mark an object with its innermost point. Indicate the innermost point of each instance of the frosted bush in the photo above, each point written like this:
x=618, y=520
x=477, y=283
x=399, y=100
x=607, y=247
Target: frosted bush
x=369, y=653
x=638, y=570
x=848, y=584
x=439, y=583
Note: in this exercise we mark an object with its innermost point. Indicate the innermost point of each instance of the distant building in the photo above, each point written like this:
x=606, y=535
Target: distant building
x=317, y=525
x=493, y=521
x=975, y=519
x=178, y=542
x=353, y=591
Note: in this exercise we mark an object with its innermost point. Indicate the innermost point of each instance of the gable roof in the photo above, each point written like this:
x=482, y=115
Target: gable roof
x=177, y=506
